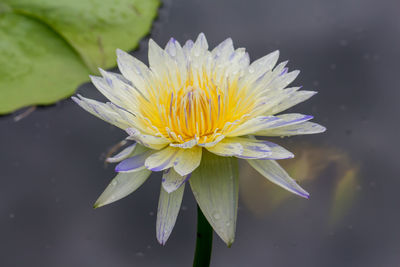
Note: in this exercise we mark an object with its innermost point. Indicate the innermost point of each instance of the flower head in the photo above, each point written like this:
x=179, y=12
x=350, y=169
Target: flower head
x=192, y=113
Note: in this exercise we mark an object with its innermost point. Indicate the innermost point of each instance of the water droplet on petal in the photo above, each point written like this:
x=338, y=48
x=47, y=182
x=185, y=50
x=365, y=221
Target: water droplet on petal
x=216, y=215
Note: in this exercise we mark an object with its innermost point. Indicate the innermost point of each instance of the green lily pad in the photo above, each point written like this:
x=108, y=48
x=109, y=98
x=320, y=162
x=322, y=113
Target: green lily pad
x=49, y=47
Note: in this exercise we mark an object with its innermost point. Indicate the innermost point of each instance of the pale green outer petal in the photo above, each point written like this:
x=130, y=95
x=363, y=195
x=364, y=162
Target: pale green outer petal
x=215, y=187
x=296, y=129
x=122, y=185
x=171, y=180
x=169, y=205
x=102, y=111
x=271, y=170
x=124, y=154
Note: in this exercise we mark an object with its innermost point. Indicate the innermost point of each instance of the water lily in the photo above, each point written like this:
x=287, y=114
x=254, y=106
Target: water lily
x=192, y=114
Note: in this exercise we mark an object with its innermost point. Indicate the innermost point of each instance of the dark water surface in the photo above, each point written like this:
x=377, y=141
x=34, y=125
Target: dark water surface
x=52, y=166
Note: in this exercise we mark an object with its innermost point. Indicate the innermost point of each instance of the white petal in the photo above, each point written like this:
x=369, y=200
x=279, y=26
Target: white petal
x=269, y=99
x=200, y=46
x=150, y=141
x=158, y=58
x=174, y=49
x=187, y=144
x=135, y=163
x=226, y=149
x=134, y=70
x=261, y=124
x=184, y=161
x=271, y=170
x=264, y=64
x=116, y=90
x=187, y=160
x=221, y=52
x=215, y=187
x=164, y=66
x=253, y=125
x=265, y=79
x=102, y=111
x=290, y=100
x=283, y=80
x=163, y=159
x=172, y=180
x=296, y=129
x=122, y=185
x=187, y=48
x=125, y=153
x=238, y=61
x=168, y=208
x=259, y=67
x=277, y=152
x=245, y=148
x=213, y=143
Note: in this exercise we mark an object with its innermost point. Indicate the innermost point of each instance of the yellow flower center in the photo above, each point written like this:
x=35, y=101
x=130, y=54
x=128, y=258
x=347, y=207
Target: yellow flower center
x=203, y=111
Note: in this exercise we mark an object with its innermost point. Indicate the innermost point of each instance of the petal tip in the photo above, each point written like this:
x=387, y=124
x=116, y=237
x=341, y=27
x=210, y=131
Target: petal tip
x=304, y=194
x=161, y=240
x=168, y=189
x=98, y=205
x=118, y=168
x=119, y=52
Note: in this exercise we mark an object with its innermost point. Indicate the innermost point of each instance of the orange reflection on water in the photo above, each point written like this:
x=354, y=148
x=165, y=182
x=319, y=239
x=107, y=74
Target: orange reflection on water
x=309, y=166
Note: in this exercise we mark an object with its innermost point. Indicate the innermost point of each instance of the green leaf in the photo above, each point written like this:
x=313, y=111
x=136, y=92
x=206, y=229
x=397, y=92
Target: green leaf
x=49, y=47
x=215, y=187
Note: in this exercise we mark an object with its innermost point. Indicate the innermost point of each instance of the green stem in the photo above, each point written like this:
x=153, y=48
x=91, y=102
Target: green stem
x=202, y=255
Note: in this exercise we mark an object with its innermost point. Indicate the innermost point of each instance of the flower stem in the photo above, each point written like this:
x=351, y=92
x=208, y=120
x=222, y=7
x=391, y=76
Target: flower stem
x=202, y=255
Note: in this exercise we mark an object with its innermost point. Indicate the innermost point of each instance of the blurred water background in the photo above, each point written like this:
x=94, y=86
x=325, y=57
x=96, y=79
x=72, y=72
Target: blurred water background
x=52, y=162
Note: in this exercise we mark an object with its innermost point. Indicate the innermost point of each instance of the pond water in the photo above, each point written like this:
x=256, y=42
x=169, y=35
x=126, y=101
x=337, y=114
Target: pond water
x=52, y=162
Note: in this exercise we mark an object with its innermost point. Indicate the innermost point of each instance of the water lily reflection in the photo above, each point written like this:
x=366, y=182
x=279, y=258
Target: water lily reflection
x=310, y=165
